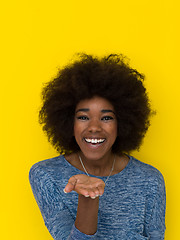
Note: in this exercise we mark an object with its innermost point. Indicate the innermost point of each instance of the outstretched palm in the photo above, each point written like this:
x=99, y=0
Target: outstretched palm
x=85, y=185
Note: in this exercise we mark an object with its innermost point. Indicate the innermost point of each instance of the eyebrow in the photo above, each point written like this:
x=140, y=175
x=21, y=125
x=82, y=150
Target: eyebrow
x=107, y=110
x=83, y=110
x=87, y=109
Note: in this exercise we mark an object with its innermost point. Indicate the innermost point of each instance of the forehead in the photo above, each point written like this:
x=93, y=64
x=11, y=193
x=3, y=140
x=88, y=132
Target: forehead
x=95, y=103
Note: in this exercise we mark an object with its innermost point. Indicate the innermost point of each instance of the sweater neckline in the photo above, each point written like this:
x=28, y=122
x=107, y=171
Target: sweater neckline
x=101, y=177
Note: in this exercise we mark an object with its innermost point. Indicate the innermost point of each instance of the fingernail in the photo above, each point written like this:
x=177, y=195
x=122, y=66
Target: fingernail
x=86, y=195
x=64, y=190
x=97, y=195
x=93, y=197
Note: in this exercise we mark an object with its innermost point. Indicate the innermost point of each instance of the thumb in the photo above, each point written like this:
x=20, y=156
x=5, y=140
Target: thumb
x=71, y=185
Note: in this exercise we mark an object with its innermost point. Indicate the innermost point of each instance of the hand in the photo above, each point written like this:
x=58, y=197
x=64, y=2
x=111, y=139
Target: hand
x=85, y=185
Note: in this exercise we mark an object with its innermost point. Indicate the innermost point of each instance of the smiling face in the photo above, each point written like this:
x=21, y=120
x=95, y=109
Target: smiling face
x=95, y=127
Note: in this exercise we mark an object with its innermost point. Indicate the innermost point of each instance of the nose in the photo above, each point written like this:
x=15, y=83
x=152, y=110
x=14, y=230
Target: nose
x=94, y=125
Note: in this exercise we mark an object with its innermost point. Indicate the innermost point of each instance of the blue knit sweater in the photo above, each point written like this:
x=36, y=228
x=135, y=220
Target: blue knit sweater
x=131, y=208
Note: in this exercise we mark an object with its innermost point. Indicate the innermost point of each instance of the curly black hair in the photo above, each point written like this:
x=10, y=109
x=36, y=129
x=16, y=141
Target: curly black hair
x=109, y=77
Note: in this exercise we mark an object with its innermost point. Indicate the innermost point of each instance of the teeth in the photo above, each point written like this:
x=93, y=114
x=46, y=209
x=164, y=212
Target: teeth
x=89, y=140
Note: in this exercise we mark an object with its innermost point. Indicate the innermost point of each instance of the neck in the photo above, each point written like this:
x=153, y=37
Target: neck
x=98, y=167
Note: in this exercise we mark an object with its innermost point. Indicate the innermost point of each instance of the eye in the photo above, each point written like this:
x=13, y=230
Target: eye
x=83, y=118
x=107, y=118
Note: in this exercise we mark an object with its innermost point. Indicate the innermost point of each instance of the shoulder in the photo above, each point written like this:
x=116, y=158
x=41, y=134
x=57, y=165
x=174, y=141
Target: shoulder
x=146, y=173
x=46, y=183
x=46, y=167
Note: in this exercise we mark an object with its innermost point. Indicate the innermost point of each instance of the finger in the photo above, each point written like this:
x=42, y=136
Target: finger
x=96, y=191
x=71, y=185
x=93, y=192
x=83, y=192
x=101, y=190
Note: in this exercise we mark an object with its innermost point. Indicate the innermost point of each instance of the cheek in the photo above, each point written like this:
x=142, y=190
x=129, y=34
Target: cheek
x=114, y=131
x=76, y=133
x=78, y=128
x=113, y=127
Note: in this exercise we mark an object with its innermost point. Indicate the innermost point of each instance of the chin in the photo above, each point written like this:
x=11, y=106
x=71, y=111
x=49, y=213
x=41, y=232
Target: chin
x=93, y=156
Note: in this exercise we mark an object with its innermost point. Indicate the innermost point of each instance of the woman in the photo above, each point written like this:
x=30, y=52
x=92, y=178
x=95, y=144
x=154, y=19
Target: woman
x=95, y=112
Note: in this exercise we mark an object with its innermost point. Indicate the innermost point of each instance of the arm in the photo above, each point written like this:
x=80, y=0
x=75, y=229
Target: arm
x=51, y=201
x=54, y=208
x=155, y=227
x=89, y=190
x=87, y=215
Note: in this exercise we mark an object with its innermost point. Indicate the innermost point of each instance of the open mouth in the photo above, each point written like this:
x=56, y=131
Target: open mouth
x=94, y=140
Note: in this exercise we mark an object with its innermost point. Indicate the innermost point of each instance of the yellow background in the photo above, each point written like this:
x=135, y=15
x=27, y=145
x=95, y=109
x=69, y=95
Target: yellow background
x=38, y=36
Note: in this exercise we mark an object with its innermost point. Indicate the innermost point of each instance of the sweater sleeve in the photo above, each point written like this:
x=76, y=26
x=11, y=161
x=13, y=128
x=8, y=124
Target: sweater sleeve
x=155, y=228
x=76, y=234
x=56, y=215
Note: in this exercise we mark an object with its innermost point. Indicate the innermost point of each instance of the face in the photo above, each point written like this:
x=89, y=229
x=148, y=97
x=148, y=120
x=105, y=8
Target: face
x=95, y=127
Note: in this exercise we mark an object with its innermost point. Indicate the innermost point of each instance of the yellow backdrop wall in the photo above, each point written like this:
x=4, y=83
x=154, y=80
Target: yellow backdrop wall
x=38, y=36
